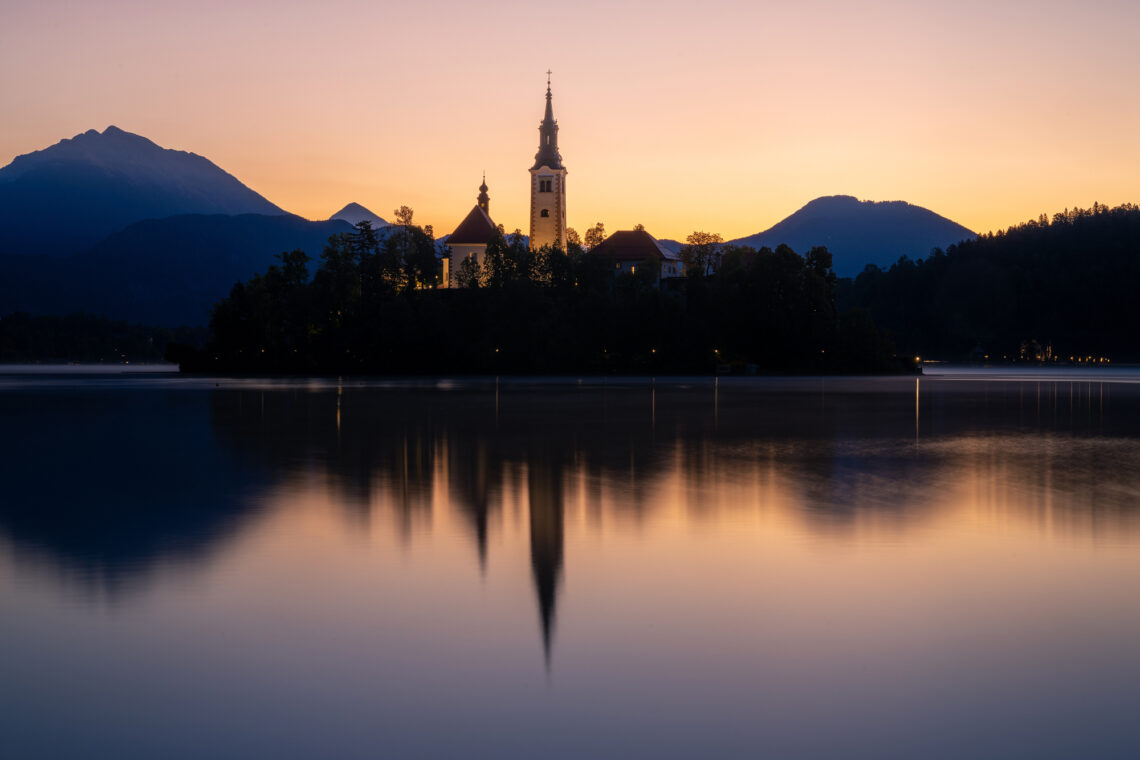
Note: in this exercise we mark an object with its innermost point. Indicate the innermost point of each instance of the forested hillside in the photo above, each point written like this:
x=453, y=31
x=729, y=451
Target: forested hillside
x=1069, y=283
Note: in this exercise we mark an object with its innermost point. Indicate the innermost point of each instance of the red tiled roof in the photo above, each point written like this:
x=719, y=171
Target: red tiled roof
x=475, y=229
x=632, y=245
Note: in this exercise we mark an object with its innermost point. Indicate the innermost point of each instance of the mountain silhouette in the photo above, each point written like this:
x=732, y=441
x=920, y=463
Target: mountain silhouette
x=354, y=214
x=65, y=198
x=861, y=232
x=160, y=271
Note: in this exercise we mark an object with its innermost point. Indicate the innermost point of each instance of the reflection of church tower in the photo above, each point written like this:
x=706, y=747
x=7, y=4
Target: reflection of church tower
x=548, y=185
x=545, y=492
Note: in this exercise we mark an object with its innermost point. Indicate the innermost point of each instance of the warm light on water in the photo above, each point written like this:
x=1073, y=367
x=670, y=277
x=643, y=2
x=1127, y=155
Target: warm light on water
x=766, y=568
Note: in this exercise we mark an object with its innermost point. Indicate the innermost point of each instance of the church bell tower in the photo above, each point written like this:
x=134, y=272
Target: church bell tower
x=548, y=185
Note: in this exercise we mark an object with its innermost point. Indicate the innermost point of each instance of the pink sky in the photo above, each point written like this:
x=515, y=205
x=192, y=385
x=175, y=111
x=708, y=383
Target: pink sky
x=722, y=116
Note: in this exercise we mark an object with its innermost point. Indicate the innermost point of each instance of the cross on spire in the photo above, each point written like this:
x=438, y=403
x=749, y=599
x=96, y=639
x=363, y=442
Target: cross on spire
x=548, y=73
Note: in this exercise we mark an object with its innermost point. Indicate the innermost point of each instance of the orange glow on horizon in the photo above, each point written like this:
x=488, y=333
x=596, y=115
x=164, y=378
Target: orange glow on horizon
x=672, y=117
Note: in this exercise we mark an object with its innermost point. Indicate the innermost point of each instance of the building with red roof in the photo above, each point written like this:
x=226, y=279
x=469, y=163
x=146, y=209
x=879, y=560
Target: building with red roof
x=470, y=239
x=631, y=249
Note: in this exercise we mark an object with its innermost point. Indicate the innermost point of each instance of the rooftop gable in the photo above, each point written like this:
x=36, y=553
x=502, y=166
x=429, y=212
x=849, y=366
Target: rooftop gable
x=475, y=229
x=633, y=245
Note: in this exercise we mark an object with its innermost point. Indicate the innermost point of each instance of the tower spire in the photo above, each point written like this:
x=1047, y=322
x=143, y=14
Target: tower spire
x=548, y=184
x=548, y=135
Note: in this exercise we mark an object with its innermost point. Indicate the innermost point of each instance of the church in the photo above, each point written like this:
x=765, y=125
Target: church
x=628, y=249
x=547, y=204
x=470, y=238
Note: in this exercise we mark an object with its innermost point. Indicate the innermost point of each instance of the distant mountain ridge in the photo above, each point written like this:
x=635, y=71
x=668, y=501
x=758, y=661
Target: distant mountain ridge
x=354, y=214
x=112, y=223
x=858, y=232
x=67, y=197
x=160, y=271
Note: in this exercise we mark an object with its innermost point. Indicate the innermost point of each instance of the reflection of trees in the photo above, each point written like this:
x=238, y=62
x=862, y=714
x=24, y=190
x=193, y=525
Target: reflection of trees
x=840, y=449
x=168, y=474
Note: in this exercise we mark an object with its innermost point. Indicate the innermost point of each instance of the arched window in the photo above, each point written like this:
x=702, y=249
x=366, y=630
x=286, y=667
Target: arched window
x=545, y=213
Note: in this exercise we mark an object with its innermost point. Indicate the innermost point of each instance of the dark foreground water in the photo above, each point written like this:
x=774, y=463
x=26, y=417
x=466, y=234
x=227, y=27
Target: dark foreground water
x=938, y=568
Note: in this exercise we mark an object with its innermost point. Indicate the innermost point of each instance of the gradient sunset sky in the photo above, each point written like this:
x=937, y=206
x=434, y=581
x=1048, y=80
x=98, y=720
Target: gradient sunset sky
x=719, y=115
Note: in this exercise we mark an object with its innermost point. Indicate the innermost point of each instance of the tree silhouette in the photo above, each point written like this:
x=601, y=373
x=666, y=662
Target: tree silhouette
x=700, y=252
x=543, y=310
x=1069, y=283
x=595, y=235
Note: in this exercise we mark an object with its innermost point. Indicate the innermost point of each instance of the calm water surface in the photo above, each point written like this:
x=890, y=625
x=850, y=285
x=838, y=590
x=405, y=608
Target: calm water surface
x=786, y=568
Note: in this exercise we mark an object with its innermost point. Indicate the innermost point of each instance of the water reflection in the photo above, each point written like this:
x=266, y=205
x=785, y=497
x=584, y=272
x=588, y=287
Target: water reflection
x=545, y=512
x=101, y=488
x=107, y=486
x=837, y=455
x=783, y=568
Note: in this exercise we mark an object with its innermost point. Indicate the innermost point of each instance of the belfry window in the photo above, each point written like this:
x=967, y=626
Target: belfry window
x=545, y=184
x=545, y=213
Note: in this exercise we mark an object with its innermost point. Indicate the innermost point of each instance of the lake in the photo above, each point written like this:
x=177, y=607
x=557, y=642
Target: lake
x=936, y=567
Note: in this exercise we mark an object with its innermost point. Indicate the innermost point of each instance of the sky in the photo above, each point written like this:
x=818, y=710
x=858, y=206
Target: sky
x=723, y=116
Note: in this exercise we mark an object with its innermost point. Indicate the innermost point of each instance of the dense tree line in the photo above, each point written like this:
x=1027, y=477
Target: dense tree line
x=87, y=338
x=1069, y=283
x=372, y=307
